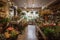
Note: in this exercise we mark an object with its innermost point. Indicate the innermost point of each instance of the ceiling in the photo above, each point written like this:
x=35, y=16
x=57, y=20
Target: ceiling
x=33, y=3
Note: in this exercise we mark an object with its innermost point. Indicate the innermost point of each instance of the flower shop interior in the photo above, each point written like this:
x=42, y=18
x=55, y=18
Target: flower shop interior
x=29, y=19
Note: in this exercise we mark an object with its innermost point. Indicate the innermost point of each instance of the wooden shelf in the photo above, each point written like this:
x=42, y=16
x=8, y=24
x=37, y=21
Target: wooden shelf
x=2, y=3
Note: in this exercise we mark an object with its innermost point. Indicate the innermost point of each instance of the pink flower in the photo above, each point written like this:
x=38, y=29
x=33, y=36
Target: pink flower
x=52, y=24
x=10, y=28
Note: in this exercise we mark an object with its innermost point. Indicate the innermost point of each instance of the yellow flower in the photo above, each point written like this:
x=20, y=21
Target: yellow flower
x=7, y=35
x=17, y=32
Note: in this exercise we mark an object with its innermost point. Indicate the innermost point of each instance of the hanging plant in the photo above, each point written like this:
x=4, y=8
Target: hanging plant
x=36, y=12
x=23, y=13
x=18, y=10
x=27, y=11
x=31, y=12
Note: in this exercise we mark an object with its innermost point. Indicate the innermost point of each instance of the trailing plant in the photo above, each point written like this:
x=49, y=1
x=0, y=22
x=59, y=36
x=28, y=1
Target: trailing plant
x=19, y=11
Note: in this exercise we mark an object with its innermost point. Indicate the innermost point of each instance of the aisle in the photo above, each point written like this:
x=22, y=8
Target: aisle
x=31, y=32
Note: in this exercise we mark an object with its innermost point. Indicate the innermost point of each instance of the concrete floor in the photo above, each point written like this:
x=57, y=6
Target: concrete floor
x=31, y=32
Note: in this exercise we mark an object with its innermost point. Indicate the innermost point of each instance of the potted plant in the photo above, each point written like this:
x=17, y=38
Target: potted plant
x=11, y=33
x=19, y=11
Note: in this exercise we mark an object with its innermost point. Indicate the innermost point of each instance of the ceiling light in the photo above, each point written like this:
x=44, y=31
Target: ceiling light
x=33, y=5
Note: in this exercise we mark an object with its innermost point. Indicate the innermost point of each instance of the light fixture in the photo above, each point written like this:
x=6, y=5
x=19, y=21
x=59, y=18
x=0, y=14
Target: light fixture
x=25, y=7
x=30, y=3
x=33, y=5
x=43, y=7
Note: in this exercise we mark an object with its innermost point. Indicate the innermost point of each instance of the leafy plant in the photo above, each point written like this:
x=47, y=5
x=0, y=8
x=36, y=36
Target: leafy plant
x=18, y=10
x=4, y=20
x=2, y=37
x=48, y=31
x=23, y=13
x=27, y=11
x=31, y=12
x=11, y=32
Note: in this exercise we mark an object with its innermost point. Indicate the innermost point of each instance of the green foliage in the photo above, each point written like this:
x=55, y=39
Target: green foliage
x=31, y=12
x=21, y=29
x=23, y=13
x=4, y=20
x=51, y=33
x=2, y=37
x=18, y=10
x=13, y=33
x=48, y=31
x=27, y=11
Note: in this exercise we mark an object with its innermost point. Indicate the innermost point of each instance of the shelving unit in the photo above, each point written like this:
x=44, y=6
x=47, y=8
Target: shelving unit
x=3, y=8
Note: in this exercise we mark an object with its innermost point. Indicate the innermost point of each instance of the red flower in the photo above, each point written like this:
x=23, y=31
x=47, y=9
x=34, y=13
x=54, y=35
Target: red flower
x=10, y=28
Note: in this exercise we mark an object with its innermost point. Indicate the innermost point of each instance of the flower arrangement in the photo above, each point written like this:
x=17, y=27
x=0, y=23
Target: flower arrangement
x=10, y=32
